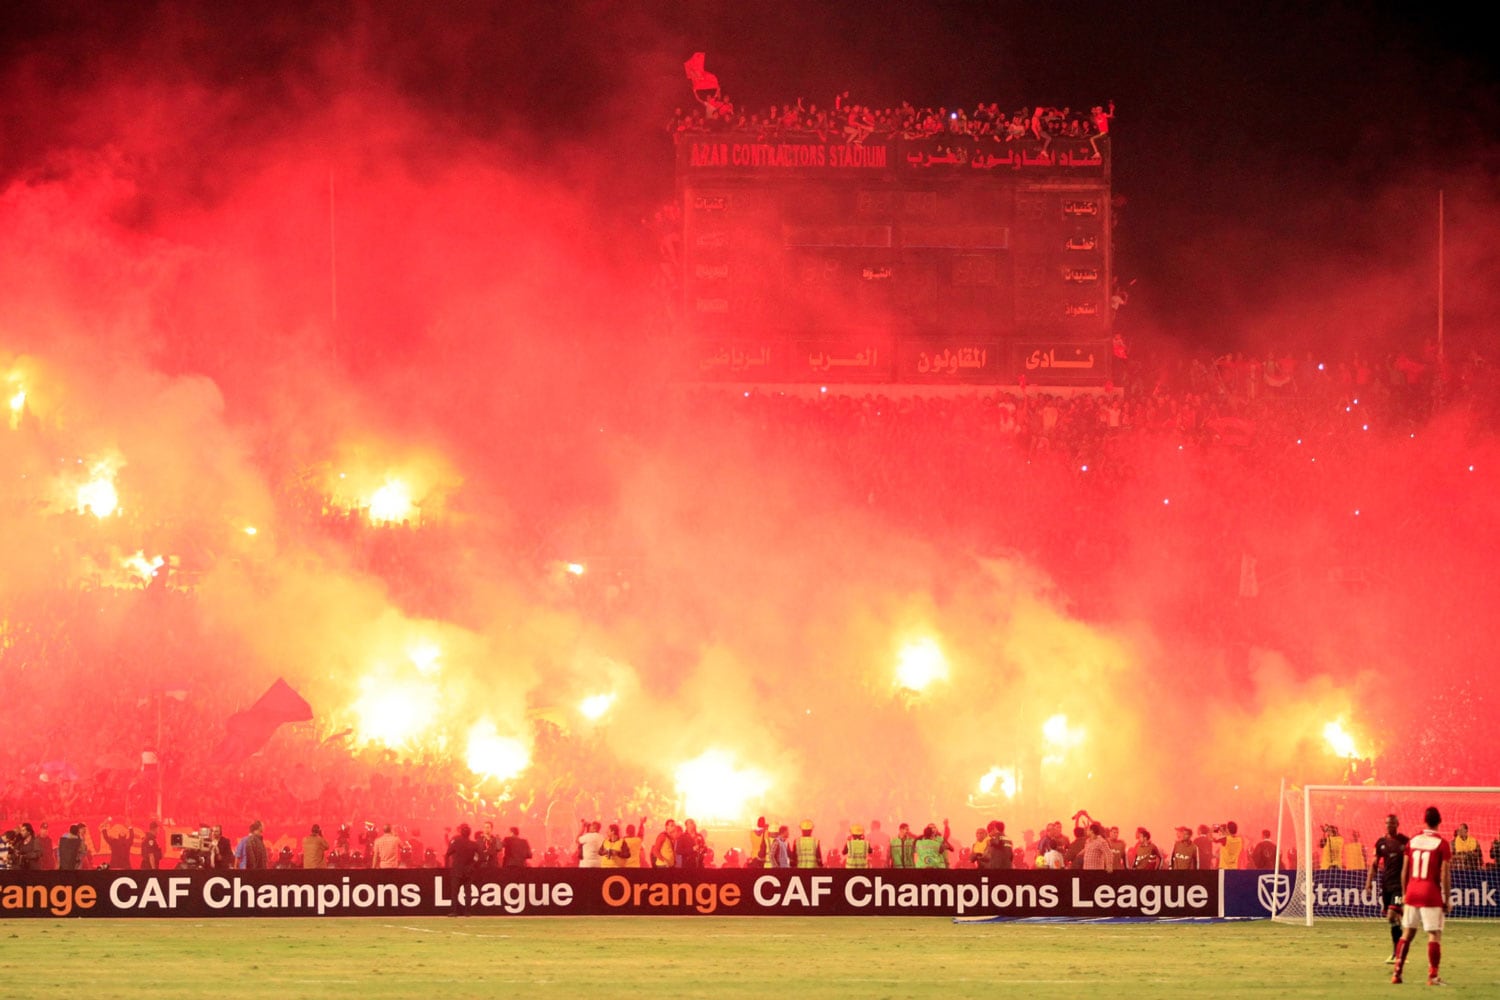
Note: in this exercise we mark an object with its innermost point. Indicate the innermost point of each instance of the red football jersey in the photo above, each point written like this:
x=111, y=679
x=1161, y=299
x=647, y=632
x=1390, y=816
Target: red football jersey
x=1426, y=854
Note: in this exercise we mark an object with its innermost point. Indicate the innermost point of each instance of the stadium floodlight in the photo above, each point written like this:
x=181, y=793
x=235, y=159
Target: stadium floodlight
x=1334, y=832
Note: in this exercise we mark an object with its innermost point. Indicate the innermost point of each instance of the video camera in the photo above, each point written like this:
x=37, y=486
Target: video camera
x=199, y=840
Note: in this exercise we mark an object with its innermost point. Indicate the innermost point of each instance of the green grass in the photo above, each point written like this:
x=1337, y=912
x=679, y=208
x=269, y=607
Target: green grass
x=648, y=958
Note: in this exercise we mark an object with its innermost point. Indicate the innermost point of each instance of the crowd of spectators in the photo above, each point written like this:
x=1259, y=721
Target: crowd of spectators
x=849, y=121
x=1085, y=843
x=136, y=662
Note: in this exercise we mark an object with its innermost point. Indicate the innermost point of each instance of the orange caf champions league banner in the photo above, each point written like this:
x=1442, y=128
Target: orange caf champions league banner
x=603, y=892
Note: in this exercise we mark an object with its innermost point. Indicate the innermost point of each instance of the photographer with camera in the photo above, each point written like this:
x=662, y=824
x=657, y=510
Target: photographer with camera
x=590, y=844
x=314, y=849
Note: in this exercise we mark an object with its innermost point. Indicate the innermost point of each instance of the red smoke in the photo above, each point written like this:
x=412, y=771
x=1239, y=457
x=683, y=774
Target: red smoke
x=247, y=285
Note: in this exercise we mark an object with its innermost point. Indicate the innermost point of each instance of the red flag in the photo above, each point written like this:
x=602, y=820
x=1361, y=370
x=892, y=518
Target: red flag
x=700, y=78
x=248, y=731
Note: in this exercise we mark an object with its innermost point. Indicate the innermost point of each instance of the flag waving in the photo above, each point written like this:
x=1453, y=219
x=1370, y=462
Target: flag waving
x=247, y=731
x=700, y=78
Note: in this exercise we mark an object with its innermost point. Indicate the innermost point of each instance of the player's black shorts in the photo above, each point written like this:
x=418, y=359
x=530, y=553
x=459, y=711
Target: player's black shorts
x=1389, y=898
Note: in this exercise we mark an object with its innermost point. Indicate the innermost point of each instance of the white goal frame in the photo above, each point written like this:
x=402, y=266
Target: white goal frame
x=1305, y=850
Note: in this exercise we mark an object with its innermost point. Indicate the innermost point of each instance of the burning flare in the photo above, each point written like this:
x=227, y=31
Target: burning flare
x=392, y=711
x=392, y=502
x=919, y=664
x=999, y=779
x=1340, y=740
x=594, y=706
x=714, y=788
x=98, y=496
x=141, y=566
x=495, y=756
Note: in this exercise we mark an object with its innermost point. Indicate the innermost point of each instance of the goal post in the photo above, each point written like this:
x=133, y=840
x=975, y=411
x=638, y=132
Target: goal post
x=1332, y=842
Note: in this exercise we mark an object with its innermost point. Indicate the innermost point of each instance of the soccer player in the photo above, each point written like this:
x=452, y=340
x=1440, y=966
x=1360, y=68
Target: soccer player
x=1390, y=854
x=1425, y=881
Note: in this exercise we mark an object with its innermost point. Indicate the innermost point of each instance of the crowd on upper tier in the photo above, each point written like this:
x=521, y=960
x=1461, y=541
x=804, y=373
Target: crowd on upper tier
x=854, y=122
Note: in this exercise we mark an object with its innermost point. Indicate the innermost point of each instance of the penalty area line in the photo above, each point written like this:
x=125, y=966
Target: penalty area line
x=435, y=930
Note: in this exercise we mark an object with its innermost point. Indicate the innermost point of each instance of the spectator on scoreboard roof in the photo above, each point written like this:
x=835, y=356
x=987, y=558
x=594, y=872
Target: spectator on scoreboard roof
x=1466, y=849
x=1426, y=882
x=1390, y=853
x=314, y=849
x=515, y=850
x=1184, y=852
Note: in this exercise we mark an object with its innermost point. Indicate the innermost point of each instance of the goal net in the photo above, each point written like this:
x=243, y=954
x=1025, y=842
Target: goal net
x=1326, y=852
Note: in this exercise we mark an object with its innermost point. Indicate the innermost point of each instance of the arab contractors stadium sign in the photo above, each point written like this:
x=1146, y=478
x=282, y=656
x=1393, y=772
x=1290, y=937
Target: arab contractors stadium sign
x=1004, y=895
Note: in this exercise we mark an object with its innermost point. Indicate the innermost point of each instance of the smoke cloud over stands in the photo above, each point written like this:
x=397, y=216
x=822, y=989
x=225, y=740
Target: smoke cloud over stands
x=259, y=267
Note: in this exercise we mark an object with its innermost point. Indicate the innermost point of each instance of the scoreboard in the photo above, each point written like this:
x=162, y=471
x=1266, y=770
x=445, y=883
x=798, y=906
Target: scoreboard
x=924, y=261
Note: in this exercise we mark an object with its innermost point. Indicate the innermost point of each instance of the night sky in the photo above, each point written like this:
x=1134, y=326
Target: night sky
x=1268, y=153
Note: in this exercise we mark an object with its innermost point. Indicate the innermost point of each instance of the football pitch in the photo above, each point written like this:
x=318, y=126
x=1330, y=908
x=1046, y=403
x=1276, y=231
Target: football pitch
x=656, y=957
